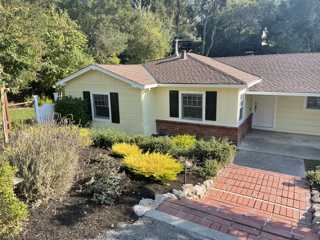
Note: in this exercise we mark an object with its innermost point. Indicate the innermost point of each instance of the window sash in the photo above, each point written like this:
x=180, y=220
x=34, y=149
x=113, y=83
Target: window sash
x=313, y=103
x=101, y=106
x=192, y=106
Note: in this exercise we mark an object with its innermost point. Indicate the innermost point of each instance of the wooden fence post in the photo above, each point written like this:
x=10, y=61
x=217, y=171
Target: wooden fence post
x=5, y=114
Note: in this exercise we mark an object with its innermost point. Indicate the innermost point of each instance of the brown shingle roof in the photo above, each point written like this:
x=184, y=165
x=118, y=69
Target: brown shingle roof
x=133, y=72
x=195, y=69
x=292, y=73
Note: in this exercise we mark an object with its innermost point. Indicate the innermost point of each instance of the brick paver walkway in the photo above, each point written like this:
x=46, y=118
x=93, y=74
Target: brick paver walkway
x=251, y=204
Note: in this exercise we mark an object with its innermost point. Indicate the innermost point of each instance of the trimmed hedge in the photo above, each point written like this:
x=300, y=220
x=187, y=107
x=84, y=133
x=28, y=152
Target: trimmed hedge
x=182, y=145
x=106, y=137
x=213, y=149
x=74, y=109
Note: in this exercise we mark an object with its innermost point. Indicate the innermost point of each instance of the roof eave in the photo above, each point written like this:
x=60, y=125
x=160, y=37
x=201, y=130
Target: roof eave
x=97, y=67
x=297, y=94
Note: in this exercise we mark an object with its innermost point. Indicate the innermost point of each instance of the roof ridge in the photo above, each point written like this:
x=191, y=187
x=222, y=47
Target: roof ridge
x=266, y=55
x=215, y=69
x=221, y=71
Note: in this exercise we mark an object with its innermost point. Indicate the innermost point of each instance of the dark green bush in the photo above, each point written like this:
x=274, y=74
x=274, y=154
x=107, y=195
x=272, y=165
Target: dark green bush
x=314, y=177
x=105, y=183
x=106, y=137
x=75, y=109
x=210, y=168
x=213, y=149
x=154, y=144
x=13, y=212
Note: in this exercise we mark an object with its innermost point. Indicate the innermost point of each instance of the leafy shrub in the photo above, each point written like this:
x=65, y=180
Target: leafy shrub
x=154, y=144
x=85, y=137
x=125, y=149
x=220, y=150
x=106, y=137
x=210, y=168
x=182, y=145
x=105, y=183
x=12, y=211
x=313, y=177
x=74, y=109
x=46, y=156
x=45, y=100
x=154, y=165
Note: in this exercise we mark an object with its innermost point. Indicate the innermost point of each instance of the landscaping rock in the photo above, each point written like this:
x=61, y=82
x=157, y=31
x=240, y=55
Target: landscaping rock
x=208, y=183
x=147, y=202
x=140, y=210
x=315, y=207
x=315, y=198
x=178, y=193
x=199, y=191
x=316, y=220
x=160, y=198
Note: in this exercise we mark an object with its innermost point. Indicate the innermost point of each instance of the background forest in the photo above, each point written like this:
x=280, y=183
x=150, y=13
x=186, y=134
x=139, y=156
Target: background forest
x=41, y=41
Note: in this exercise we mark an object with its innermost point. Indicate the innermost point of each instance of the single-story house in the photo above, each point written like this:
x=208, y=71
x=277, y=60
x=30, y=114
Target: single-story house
x=193, y=94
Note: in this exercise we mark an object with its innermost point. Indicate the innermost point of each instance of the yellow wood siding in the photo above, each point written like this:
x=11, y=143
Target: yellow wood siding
x=130, y=99
x=148, y=108
x=227, y=104
x=292, y=116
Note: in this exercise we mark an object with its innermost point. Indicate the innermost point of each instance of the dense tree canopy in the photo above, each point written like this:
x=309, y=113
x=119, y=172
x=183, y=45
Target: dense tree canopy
x=41, y=41
x=38, y=45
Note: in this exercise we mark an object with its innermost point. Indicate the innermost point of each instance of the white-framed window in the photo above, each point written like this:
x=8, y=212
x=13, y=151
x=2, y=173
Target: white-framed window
x=242, y=106
x=313, y=103
x=192, y=106
x=101, y=106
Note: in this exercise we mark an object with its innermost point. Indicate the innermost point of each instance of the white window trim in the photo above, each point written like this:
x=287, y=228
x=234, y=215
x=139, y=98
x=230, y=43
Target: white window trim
x=306, y=103
x=202, y=120
x=244, y=107
x=92, y=107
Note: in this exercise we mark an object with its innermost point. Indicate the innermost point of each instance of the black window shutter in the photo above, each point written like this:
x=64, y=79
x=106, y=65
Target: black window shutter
x=87, y=99
x=174, y=103
x=114, y=102
x=211, y=106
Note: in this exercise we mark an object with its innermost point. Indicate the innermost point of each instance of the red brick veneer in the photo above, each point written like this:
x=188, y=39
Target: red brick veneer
x=235, y=134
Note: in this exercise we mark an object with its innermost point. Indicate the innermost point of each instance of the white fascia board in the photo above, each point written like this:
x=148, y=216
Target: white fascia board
x=203, y=85
x=103, y=70
x=254, y=83
x=283, y=94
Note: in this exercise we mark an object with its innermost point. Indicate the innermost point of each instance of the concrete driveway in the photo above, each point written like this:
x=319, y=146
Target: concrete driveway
x=271, y=162
x=285, y=144
x=278, y=152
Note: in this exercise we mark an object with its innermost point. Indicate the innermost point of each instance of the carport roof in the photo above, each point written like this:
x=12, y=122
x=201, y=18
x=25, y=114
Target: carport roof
x=283, y=73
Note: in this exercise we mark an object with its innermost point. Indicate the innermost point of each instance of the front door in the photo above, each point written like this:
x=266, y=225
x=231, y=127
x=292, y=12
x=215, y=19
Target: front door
x=263, y=111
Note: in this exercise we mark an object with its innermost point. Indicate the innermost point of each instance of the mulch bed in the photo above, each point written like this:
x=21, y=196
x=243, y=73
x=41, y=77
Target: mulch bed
x=76, y=217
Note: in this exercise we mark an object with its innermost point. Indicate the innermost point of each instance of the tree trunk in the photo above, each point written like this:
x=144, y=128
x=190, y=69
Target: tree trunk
x=204, y=35
x=213, y=34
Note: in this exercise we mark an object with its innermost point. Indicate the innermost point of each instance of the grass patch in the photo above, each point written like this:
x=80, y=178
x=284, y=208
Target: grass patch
x=310, y=165
x=20, y=114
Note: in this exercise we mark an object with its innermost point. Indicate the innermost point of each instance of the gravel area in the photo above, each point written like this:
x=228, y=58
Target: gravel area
x=146, y=228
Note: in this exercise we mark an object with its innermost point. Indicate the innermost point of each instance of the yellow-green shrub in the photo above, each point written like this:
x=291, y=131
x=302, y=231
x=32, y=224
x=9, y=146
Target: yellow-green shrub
x=12, y=211
x=85, y=137
x=125, y=149
x=158, y=166
x=181, y=145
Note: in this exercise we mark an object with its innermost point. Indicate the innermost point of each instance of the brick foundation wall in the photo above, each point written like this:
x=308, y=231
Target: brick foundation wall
x=244, y=128
x=235, y=134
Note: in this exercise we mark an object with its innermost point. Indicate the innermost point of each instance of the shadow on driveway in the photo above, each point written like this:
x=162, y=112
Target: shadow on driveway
x=271, y=162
